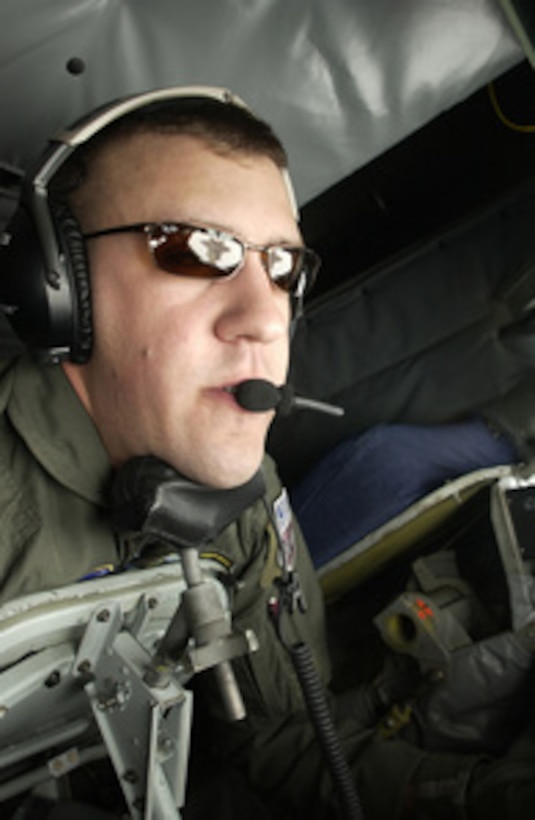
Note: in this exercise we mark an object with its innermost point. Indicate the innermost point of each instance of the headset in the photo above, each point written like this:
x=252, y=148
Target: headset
x=44, y=279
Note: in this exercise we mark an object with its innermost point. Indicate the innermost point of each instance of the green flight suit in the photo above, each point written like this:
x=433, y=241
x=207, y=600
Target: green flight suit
x=54, y=499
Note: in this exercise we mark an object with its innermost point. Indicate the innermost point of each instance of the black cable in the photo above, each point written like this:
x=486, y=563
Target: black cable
x=314, y=695
x=311, y=684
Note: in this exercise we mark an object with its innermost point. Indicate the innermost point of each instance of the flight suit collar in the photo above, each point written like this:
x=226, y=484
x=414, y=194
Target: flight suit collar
x=46, y=412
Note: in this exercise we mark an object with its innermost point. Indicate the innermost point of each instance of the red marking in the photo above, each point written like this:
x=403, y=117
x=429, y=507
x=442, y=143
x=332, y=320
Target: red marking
x=424, y=611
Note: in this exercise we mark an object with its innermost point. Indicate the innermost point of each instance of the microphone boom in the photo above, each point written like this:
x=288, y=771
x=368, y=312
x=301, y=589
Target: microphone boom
x=260, y=395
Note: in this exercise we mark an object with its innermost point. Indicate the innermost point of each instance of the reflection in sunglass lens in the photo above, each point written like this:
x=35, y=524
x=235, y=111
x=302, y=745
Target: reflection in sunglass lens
x=281, y=264
x=196, y=251
x=174, y=254
x=221, y=250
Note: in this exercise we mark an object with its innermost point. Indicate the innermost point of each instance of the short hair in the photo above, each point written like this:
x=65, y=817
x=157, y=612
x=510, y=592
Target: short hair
x=225, y=127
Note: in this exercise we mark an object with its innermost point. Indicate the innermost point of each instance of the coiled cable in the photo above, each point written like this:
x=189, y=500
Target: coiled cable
x=316, y=701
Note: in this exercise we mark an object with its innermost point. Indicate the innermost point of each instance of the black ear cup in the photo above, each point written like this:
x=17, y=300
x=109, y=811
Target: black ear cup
x=30, y=298
x=44, y=285
x=76, y=266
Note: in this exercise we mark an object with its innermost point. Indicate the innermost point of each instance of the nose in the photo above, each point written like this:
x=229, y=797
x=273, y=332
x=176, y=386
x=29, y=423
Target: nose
x=253, y=307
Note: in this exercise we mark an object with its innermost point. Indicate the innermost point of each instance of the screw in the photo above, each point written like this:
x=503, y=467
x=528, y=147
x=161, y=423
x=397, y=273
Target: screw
x=165, y=745
x=53, y=679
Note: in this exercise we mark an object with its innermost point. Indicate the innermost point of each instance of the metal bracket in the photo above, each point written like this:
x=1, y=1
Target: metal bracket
x=146, y=730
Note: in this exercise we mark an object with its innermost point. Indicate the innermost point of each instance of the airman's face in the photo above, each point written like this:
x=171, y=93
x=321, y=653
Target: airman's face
x=167, y=348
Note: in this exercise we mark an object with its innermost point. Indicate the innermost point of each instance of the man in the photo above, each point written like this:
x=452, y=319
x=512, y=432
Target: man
x=195, y=260
x=168, y=349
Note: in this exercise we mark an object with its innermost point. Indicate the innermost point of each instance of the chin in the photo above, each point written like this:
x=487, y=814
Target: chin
x=225, y=476
x=227, y=480
x=218, y=466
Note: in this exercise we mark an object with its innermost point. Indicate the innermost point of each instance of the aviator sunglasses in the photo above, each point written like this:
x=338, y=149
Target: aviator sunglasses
x=209, y=253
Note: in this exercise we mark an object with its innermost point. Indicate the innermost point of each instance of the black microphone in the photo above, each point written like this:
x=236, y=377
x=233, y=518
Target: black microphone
x=259, y=395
